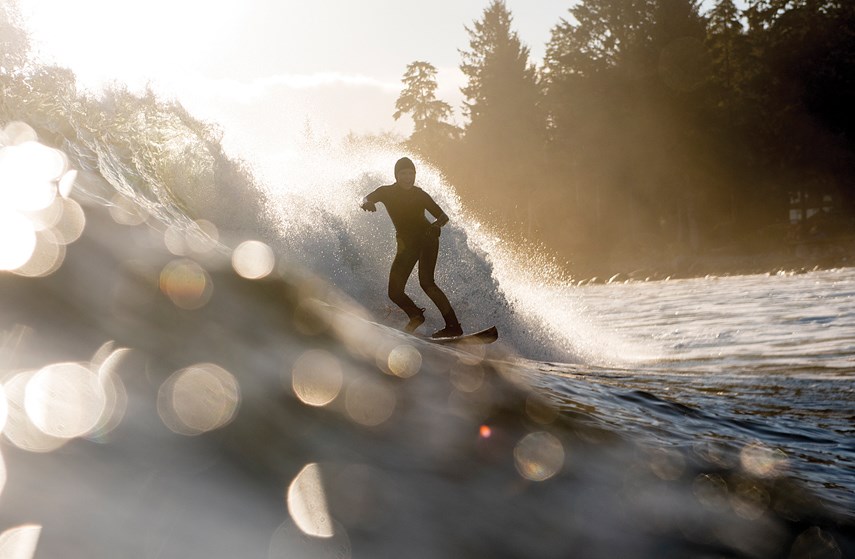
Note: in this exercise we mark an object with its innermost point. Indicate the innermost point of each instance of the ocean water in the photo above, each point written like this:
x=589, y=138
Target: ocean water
x=200, y=361
x=745, y=360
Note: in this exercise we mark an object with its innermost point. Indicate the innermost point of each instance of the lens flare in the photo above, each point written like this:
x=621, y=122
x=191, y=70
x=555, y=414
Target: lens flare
x=20, y=430
x=369, y=402
x=17, y=240
x=18, y=132
x=2, y=474
x=66, y=183
x=317, y=378
x=205, y=238
x=187, y=284
x=125, y=211
x=114, y=391
x=667, y=465
x=20, y=542
x=539, y=456
x=46, y=259
x=198, y=399
x=65, y=400
x=467, y=378
x=540, y=411
x=27, y=176
x=307, y=503
x=253, y=260
x=73, y=221
x=4, y=408
x=405, y=361
x=760, y=460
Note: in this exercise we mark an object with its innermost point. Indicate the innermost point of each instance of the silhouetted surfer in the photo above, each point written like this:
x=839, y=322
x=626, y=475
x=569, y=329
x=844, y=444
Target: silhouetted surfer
x=418, y=241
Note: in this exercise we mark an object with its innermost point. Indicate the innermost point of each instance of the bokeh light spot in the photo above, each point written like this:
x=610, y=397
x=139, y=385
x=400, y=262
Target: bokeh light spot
x=198, y=399
x=2, y=474
x=749, y=501
x=760, y=460
x=73, y=221
x=4, y=408
x=253, y=260
x=20, y=542
x=47, y=257
x=307, y=503
x=125, y=211
x=65, y=400
x=667, y=465
x=405, y=361
x=66, y=183
x=317, y=378
x=205, y=238
x=17, y=240
x=174, y=240
x=467, y=378
x=19, y=429
x=540, y=411
x=711, y=491
x=115, y=393
x=187, y=284
x=369, y=402
x=485, y=431
x=539, y=456
x=18, y=132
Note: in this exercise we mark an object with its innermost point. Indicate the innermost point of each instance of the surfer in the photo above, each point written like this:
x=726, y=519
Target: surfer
x=418, y=241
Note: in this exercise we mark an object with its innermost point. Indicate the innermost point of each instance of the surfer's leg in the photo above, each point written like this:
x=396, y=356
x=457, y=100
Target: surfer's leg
x=427, y=268
x=402, y=267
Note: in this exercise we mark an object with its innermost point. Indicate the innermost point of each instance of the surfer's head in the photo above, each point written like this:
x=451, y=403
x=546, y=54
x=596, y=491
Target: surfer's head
x=405, y=172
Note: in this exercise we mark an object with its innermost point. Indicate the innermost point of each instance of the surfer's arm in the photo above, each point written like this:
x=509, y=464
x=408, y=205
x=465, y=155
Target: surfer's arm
x=369, y=202
x=436, y=212
x=440, y=221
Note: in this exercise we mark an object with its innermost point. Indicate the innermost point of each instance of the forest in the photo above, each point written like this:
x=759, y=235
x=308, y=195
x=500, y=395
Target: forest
x=656, y=137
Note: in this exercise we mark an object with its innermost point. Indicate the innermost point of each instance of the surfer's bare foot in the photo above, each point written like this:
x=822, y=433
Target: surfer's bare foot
x=449, y=331
x=415, y=322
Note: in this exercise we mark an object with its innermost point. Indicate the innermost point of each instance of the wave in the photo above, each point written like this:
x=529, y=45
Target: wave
x=305, y=205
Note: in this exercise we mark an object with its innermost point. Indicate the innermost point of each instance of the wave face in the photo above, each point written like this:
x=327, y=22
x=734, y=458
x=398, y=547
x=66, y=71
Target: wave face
x=313, y=197
x=306, y=205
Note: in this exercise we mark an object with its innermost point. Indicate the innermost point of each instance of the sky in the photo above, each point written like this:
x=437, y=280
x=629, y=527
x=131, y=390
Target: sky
x=276, y=66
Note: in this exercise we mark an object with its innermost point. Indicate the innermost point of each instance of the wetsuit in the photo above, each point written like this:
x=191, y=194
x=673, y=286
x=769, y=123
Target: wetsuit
x=418, y=241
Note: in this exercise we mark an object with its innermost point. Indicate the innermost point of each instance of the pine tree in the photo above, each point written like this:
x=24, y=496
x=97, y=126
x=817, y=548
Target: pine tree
x=504, y=134
x=430, y=115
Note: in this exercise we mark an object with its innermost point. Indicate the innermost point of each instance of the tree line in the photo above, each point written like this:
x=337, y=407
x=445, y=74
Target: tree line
x=653, y=133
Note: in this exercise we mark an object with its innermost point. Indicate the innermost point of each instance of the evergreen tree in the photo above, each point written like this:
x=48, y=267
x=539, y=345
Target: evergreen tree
x=430, y=115
x=504, y=134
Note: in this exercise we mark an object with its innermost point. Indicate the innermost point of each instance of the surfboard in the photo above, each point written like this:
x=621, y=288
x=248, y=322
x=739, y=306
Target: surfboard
x=486, y=336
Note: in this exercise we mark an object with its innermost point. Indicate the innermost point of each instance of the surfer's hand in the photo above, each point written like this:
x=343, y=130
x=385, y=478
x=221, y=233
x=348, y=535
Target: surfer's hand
x=368, y=206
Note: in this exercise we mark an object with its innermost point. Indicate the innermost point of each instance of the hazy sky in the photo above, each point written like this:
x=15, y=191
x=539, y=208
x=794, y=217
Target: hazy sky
x=335, y=64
